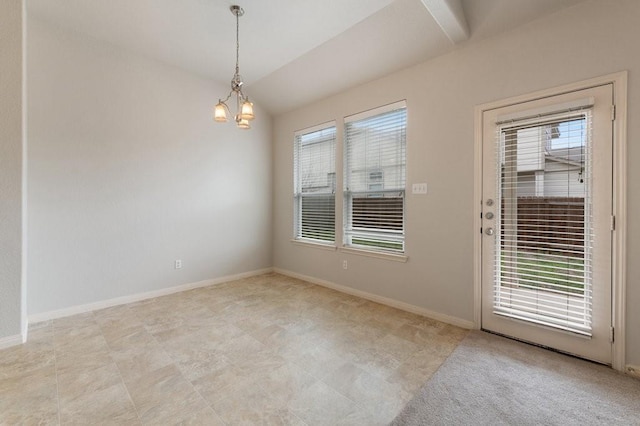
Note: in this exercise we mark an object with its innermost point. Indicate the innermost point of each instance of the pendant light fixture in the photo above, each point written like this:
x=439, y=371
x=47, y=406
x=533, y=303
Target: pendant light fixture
x=245, y=107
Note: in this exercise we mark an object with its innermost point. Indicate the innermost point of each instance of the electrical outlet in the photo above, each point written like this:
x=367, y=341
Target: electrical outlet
x=344, y=264
x=419, y=188
x=178, y=264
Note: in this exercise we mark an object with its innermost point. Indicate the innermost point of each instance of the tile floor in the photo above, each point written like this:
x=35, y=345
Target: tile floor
x=264, y=350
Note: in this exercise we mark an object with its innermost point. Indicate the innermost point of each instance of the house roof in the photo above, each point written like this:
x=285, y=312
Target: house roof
x=573, y=156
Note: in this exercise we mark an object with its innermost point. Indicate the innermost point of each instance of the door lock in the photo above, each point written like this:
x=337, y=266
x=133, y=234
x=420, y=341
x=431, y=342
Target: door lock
x=488, y=231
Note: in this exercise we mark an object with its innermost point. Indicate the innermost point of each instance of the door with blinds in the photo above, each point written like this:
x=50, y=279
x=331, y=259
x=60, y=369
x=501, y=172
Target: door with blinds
x=546, y=222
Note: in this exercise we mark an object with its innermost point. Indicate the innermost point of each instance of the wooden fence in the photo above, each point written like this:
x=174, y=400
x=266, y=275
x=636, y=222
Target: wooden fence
x=553, y=225
x=380, y=213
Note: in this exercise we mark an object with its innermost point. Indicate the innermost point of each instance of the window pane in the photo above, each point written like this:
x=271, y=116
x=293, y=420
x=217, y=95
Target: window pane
x=315, y=184
x=375, y=174
x=318, y=220
x=544, y=258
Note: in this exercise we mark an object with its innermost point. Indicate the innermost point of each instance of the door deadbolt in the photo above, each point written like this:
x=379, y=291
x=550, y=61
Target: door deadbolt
x=489, y=202
x=488, y=215
x=488, y=231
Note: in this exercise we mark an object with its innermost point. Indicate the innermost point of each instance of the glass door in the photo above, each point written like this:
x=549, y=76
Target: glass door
x=547, y=174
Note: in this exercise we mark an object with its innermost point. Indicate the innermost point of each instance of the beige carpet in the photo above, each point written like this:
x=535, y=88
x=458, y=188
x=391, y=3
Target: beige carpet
x=491, y=380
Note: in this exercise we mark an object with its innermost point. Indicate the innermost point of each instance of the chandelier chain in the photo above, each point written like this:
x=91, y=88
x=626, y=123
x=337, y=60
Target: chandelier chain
x=237, y=43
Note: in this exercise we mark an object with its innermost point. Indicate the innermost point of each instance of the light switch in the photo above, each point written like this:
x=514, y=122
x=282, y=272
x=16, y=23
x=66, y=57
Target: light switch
x=419, y=188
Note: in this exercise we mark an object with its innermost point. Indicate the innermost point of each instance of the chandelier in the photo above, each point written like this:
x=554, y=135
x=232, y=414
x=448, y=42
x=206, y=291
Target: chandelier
x=244, y=107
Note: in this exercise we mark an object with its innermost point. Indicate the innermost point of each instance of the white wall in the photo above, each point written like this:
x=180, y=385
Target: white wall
x=128, y=173
x=591, y=39
x=11, y=169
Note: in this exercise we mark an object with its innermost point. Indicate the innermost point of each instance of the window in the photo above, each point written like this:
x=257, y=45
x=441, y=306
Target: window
x=314, y=175
x=544, y=258
x=375, y=175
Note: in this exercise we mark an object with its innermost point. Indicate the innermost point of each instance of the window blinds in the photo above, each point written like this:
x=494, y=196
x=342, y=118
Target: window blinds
x=315, y=184
x=543, y=264
x=375, y=175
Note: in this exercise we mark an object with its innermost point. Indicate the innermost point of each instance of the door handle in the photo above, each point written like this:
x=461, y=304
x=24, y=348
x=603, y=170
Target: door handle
x=488, y=231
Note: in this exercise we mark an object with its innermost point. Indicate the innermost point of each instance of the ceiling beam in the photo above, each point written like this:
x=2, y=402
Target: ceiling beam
x=449, y=14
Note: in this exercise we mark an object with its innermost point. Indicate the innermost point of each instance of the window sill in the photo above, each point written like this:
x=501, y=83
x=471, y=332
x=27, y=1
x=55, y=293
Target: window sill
x=314, y=244
x=377, y=254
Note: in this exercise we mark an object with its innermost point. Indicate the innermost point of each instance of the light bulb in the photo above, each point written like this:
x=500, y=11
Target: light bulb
x=243, y=124
x=246, y=111
x=220, y=113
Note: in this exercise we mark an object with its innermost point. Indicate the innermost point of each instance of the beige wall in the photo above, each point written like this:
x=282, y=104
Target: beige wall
x=11, y=169
x=128, y=173
x=591, y=39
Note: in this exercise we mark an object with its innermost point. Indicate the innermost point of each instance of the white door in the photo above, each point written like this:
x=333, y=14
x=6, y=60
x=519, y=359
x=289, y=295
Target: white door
x=546, y=222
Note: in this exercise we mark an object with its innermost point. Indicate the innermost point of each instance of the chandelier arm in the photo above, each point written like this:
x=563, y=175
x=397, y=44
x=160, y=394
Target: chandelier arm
x=227, y=98
x=238, y=105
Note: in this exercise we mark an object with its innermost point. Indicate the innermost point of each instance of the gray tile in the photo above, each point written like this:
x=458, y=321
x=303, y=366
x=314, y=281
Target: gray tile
x=103, y=405
x=322, y=405
x=254, y=351
x=30, y=398
x=162, y=395
x=377, y=396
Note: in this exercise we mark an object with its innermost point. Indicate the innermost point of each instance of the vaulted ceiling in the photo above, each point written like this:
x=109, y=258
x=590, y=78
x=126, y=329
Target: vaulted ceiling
x=293, y=52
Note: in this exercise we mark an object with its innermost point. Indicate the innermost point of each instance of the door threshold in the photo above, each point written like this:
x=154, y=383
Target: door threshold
x=544, y=347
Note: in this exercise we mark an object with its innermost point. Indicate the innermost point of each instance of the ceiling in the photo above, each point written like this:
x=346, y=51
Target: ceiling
x=292, y=52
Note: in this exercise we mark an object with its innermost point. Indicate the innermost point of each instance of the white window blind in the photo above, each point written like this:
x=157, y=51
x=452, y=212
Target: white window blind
x=315, y=183
x=543, y=264
x=375, y=175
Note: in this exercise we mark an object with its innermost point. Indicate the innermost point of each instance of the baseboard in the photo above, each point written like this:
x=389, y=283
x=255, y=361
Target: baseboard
x=7, y=342
x=80, y=309
x=633, y=371
x=381, y=299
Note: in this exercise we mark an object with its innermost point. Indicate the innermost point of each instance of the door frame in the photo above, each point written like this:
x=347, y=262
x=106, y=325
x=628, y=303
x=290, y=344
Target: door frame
x=619, y=244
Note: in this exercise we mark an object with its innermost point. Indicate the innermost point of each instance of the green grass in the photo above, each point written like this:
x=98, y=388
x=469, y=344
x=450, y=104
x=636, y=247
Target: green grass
x=377, y=244
x=328, y=236
x=545, y=272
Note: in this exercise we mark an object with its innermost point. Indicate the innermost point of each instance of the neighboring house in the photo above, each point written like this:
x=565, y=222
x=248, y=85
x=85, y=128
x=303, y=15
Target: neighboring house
x=551, y=163
x=317, y=159
x=374, y=168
